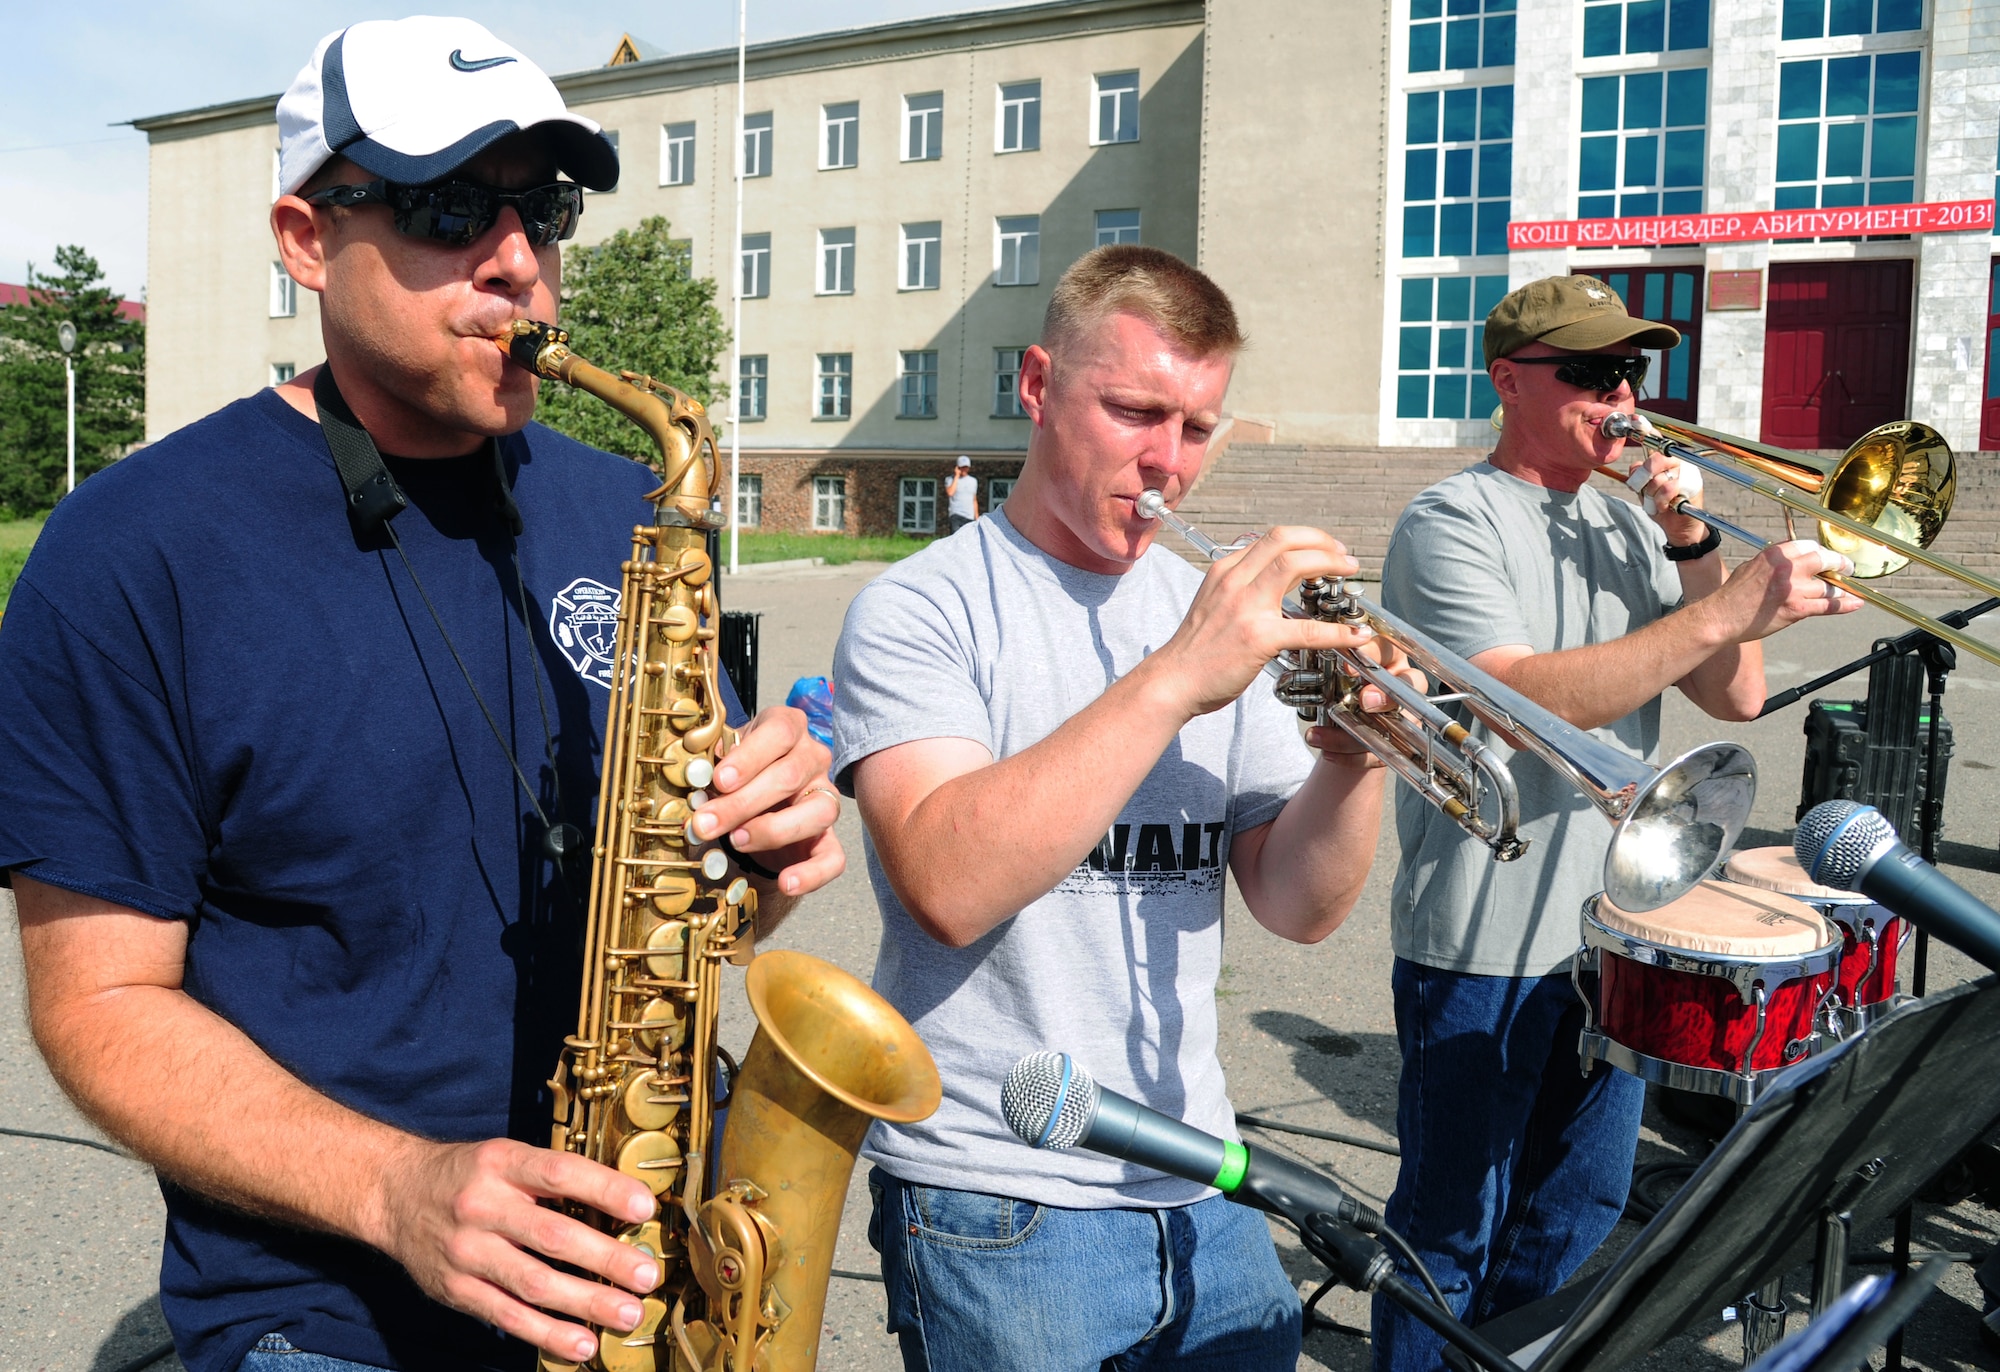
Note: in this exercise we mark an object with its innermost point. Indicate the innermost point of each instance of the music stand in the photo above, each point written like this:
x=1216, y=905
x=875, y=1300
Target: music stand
x=1865, y=1317
x=1843, y=1139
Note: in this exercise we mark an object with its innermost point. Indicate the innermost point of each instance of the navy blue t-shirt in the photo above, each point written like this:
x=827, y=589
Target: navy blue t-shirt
x=215, y=708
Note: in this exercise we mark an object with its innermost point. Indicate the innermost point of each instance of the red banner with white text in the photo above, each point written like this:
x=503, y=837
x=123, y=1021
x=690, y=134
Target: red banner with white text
x=1938, y=216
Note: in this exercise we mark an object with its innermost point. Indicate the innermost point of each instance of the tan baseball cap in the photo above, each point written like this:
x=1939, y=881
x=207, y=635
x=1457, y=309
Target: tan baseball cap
x=1578, y=313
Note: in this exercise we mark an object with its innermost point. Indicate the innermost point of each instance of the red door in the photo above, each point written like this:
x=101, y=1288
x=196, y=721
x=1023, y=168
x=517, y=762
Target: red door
x=1989, y=412
x=1672, y=294
x=1836, y=351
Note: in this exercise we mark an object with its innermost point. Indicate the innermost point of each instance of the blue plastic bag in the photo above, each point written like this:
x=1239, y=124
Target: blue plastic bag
x=814, y=695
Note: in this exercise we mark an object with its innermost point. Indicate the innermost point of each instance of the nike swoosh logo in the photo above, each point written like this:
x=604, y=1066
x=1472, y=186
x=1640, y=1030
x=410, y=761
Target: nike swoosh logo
x=460, y=62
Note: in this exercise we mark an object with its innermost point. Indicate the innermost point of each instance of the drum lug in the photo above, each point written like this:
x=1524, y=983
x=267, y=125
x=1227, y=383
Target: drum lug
x=1750, y=1053
x=1584, y=962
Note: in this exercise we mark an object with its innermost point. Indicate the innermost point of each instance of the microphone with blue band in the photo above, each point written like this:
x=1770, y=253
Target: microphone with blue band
x=1050, y=1101
x=1851, y=847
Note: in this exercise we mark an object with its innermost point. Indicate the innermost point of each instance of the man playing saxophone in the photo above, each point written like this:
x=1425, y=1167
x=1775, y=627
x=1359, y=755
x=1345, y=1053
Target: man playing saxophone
x=292, y=807
x=1059, y=741
x=1515, y=1166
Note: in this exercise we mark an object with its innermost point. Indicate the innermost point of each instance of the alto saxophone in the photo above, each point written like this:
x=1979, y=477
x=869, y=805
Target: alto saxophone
x=744, y=1235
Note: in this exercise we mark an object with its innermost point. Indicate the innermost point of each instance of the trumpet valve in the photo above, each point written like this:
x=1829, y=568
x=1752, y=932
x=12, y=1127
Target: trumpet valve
x=1304, y=688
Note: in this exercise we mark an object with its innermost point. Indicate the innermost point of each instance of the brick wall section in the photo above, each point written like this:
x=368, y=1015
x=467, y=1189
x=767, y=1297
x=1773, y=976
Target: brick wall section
x=1357, y=494
x=872, y=486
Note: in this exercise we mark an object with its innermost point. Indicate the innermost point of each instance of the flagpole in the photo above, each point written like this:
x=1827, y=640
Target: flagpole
x=736, y=329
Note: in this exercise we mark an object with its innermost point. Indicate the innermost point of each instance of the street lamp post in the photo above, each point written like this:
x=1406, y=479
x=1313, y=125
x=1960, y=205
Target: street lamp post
x=66, y=335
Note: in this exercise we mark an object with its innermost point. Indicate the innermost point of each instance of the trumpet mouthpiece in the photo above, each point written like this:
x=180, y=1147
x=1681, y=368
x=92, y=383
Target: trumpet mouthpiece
x=1150, y=504
x=1618, y=424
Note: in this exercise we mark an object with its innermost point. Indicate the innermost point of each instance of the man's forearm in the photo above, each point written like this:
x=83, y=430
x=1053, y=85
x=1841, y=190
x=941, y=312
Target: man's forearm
x=1597, y=684
x=1301, y=874
x=1729, y=683
x=195, y=1098
x=1038, y=812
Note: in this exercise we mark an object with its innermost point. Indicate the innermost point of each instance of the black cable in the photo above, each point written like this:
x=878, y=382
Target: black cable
x=1402, y=1246
x=1311, y=1321
x=852, y=1275
x=1392, y=1148
x=101, y=1147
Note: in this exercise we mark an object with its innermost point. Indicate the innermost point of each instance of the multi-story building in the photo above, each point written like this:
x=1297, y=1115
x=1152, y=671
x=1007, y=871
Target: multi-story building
x=1347, y=171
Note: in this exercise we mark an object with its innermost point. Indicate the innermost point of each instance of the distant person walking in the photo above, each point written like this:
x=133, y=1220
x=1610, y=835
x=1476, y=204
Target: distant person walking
x=961, y=488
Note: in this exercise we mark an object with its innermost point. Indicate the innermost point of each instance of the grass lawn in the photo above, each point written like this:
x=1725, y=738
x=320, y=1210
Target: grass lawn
x=835, y=548
x=16, y=537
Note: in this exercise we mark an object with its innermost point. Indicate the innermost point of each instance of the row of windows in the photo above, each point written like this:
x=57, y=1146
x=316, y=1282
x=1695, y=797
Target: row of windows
x=1847, y=130
x=1460, y=35
x=916, y=385
x=1644, y=136
x=1017, y=253
x=1458, y=171
x=1615, y=27
x=916, y=501
x=1835, y=18
x=1017, y=127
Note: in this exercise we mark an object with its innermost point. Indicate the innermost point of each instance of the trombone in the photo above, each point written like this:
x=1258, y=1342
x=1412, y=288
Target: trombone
x=1671, y=826
x=1882, y=502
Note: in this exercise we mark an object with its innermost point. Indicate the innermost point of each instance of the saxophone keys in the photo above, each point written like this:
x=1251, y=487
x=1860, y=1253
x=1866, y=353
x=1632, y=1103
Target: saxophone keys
x=633, y=1352
x=673, y=894
x=678, y=624
x=667, y=949
x=652, y=1157
x=666, y=1022
x=647, y=1104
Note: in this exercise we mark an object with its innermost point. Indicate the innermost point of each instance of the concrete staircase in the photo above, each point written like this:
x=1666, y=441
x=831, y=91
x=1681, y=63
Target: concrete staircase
x=1357, y=493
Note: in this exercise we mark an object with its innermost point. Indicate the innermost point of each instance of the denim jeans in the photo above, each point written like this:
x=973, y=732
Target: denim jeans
x=274, y=1353
x=1515, y=1165
x=979, y=1283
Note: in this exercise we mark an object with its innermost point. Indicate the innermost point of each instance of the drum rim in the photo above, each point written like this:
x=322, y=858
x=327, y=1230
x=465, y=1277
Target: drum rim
x=1828, y=953
x=1845, y=900
x=1740, y=1088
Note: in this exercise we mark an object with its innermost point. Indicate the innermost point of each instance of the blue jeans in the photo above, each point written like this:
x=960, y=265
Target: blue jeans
x=1515, y=1165
x=274, y=1353
x=979, y=1283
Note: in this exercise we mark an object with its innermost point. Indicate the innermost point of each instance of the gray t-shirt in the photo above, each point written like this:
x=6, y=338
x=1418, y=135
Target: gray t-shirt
x=984, y=636
x=1480, y=560
x=964, y=498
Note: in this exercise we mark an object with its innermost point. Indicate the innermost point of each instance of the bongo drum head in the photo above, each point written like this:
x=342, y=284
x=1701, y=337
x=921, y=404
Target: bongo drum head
x=1778, y=869
x=1726, y=919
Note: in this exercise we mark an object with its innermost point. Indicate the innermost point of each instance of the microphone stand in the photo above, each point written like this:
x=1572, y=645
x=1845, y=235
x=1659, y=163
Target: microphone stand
x=1362, y=1263
x=1939, y=658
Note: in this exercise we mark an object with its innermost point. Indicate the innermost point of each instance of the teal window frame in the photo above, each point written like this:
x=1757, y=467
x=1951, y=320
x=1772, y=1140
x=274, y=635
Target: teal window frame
x=1461, y=35
x=1616, y=28
x=1458, y=171
x=1848, y=130
x=1644, y=144
x=1440, y=365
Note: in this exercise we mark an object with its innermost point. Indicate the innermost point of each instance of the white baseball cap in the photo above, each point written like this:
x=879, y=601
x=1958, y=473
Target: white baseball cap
x=965, y=462
x=412, y=100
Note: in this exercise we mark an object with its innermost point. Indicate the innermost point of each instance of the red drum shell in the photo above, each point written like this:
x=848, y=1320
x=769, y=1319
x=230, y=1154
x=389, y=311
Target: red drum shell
x=1862, y=986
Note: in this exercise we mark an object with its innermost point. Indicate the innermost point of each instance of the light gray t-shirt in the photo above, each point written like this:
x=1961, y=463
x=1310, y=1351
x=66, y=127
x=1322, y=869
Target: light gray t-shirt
x=984, y=636
x=1480, y=560
x=964, y=499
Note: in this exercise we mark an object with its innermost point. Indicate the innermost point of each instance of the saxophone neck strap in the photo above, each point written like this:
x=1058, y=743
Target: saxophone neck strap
x=373, y=497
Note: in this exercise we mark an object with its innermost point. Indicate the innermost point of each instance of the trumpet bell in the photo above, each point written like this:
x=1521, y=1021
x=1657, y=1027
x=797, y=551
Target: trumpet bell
x=1679, y=825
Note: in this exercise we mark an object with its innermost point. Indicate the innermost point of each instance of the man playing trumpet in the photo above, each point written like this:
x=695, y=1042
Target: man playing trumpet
x=1516, y=1166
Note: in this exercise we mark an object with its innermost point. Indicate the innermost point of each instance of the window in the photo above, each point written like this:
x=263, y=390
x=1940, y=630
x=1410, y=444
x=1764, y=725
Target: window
x=1463, y=39
x=1458, y=171
x=1440, y=367
x=836, y=262
x=1117, y=226
x=284, y=293
x=830, y=503
x=749, y=500
x=1007, y=382
x=1674, y=295
x=923, y=127
x=757, y=144
x=281, y=372
x=916, y=504
x=836, y=386
x=1017, y=250
x=1611, y=27
x=1653, y=125
x=1835, y=18
x=677, y=154
x=1989, y=410
x=840, y=135
x=917, y=397
x=755, y=255
x=998, y=488
x=611, y=136
x=920, y=256
x=753, y=378
x=1847, y=131
x=1117, y=100
x=1019, y=128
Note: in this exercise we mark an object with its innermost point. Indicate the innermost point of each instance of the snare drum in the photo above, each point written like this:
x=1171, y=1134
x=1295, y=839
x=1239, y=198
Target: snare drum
x=1715, y=992
x=1870, y=935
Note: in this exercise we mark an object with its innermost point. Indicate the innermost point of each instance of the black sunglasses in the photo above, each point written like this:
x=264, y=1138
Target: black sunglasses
x=460, y=212
x=1600, y=372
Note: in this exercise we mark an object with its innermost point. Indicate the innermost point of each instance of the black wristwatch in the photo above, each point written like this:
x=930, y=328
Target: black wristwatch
x=1691, y=552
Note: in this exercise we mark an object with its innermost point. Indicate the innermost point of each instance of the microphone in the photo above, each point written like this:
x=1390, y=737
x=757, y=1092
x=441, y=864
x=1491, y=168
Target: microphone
x=1050, y=1101
x=1850, y=846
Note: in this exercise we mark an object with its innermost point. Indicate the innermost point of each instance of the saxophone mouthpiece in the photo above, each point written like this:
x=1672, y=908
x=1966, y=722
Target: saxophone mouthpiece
x=532, y=344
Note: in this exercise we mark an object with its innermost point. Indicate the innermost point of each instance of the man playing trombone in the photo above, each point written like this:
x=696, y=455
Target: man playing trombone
x=1516, y=1166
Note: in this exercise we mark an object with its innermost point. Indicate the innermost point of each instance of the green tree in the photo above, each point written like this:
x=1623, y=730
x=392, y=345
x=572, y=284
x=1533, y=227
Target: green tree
x=110, y=382
x=632, y=304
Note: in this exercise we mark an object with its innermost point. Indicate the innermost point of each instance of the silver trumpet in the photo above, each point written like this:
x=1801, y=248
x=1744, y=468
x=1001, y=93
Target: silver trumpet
x=1670, y=826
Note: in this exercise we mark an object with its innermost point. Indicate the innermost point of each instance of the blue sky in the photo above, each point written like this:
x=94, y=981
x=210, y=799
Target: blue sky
x=71, y=71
